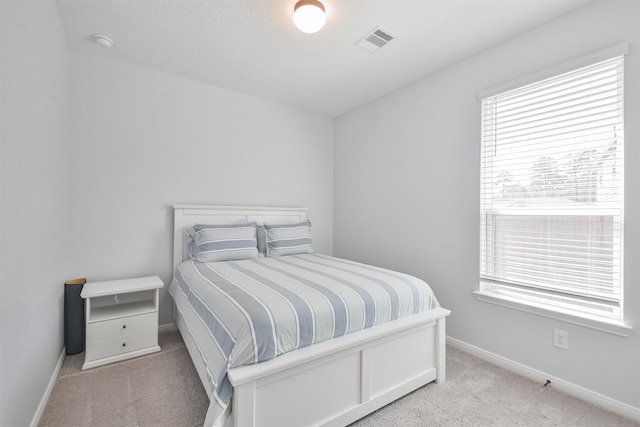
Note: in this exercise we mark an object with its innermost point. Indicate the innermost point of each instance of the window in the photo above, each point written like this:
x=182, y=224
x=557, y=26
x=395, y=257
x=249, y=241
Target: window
x=551, y=205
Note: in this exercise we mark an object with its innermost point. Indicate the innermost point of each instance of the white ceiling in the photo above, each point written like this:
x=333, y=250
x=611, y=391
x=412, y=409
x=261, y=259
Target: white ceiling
x=252, y=46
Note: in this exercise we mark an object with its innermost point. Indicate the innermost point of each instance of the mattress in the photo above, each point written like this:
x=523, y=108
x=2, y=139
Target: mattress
x=249, y=311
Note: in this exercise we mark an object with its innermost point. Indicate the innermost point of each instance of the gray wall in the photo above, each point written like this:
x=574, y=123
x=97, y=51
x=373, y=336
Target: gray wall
x=407, y=170
x=33, y=197
x=142, y=141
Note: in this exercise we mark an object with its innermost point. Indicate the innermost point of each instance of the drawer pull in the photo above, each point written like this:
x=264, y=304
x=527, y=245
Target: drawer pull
x=124, y=344
x=124, y=326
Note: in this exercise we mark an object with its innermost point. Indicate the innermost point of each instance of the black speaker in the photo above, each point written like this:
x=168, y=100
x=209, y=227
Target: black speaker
x=74, y=316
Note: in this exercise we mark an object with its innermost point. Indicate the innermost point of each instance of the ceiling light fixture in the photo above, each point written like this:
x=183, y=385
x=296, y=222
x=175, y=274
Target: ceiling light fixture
x=308, y=16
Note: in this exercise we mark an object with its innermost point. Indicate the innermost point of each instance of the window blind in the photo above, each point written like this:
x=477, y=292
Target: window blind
x=552, y=191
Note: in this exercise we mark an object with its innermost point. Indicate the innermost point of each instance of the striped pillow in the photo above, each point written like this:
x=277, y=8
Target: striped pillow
x=288, y=239
x=223, y=242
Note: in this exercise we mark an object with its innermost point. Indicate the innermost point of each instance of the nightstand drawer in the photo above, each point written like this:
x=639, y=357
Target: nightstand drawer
x=120, y=345
x=99, y=331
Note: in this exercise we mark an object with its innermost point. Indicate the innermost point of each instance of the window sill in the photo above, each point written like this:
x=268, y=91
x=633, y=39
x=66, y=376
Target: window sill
x=612, y=327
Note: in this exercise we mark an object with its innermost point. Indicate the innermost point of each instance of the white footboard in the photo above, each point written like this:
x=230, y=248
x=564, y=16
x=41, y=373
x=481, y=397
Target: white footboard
x=337, y=382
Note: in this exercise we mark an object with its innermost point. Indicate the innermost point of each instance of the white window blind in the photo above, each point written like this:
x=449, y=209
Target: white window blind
x=552, y=192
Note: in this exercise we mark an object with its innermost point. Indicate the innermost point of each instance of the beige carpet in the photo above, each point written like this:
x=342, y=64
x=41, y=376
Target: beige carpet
x=163, y=389
x=478, y=393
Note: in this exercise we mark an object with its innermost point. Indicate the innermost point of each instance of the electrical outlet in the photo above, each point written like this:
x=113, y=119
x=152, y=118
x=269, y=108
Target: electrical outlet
x=561, y=339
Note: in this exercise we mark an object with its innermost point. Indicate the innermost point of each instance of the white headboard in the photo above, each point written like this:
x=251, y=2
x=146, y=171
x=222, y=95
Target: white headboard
x=186, y=215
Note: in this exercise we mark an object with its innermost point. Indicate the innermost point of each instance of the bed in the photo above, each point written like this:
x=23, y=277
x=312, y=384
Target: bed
x=345, y=374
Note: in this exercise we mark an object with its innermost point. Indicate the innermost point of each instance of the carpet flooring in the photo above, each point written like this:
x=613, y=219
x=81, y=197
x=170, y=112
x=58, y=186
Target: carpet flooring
x=160, y=389
x=163, y=389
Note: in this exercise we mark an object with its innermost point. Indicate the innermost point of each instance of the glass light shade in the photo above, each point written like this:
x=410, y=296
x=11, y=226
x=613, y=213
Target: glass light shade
x=308, y=16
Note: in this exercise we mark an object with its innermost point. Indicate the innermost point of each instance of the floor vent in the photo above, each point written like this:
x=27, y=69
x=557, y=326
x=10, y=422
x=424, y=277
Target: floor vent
x=374, y=40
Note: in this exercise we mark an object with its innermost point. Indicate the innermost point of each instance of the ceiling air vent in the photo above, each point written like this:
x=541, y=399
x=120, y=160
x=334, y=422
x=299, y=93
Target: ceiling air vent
x=374, y=40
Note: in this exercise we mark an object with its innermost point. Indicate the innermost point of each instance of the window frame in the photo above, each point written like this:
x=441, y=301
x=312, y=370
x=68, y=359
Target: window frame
x=483, y=293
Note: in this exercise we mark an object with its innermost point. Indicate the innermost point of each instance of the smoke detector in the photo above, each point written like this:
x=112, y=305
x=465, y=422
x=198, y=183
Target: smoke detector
x=103, y=41
x=375, y=39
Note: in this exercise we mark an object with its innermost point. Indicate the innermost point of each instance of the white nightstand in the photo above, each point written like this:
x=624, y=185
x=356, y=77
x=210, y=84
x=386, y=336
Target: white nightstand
x=121, y=319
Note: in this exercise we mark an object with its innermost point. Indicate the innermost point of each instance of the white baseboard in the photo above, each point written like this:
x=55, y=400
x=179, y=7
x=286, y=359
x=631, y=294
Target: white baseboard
x=168, y=327
x=47, y=393
x=574, y=390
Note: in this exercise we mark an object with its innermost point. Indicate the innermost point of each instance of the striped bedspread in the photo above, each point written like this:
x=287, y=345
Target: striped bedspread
x=249, y=311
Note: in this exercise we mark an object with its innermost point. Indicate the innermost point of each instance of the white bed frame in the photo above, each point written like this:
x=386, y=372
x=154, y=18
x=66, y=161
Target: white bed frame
x=332, y=383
